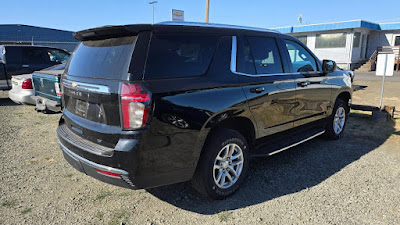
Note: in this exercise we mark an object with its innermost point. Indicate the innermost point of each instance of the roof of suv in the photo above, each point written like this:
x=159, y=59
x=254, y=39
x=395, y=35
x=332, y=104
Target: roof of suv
x=126, y=30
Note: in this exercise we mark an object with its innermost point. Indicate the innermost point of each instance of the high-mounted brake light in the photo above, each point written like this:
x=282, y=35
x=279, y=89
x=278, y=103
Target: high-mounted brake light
x=133, y=107
x=27, y=84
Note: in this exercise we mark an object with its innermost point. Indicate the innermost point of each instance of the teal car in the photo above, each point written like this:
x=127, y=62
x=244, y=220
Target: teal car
x=47, y=89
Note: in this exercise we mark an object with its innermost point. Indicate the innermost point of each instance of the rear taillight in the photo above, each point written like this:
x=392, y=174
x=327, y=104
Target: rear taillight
x=134, y=109
x=108, y=173
x=27, y=84
x=57, y=88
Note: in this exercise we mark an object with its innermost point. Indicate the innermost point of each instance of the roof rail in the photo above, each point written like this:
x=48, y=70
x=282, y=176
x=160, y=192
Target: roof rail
x=198, y=24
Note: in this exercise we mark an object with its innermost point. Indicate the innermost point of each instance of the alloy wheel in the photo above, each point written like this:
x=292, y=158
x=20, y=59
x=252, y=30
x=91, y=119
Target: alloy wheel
x=228, y=166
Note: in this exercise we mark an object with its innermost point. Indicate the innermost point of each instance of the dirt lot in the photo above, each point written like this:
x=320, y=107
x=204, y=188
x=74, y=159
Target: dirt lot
x=355, y=180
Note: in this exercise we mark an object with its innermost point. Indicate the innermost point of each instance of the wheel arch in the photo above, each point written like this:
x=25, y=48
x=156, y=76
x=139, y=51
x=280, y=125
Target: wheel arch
x=244, y=125
x=240, y=124
x=345, y=96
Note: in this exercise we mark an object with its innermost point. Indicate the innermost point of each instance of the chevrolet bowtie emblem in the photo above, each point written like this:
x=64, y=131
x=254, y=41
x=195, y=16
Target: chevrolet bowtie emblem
x=74, y=85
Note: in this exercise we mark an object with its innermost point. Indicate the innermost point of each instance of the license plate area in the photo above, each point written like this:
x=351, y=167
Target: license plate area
x=89, y=110
x=81, y=108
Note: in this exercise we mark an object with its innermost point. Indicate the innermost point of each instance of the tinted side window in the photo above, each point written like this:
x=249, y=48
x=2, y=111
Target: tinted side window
x=35, y=56
x=397, y=41
x=179, y=55
x=13, y=55
x=244, y=58
x=266, y=55
x=301, y=59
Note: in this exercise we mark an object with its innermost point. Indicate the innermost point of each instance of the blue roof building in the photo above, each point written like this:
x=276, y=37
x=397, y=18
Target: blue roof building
x=27, y=35
x=349, y=43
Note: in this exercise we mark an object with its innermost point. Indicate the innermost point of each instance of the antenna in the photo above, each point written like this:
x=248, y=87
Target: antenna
x=300, y=19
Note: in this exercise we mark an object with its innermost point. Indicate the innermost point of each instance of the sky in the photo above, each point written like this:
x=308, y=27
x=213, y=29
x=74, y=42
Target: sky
x=76, y=15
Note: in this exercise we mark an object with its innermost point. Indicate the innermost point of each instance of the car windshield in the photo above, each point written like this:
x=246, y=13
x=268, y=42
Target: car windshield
x=58, y=56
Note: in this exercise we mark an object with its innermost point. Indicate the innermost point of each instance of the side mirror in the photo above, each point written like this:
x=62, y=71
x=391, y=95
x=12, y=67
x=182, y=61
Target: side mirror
x=328, y=66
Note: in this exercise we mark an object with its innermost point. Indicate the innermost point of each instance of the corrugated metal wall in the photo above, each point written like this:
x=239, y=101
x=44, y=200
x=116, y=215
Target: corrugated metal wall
x=24, y=34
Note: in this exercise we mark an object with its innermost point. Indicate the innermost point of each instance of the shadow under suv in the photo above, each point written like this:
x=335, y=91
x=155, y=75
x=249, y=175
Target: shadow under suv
x=151, y=105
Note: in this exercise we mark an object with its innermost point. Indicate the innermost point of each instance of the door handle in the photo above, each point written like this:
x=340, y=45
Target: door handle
x=25, y=66
x=302, y=84
x=257, y=90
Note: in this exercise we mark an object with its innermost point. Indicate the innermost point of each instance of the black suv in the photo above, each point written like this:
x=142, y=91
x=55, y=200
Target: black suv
x=150, y=105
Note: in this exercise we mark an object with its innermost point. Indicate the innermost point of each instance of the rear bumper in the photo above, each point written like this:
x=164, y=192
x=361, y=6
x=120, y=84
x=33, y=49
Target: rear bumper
x=92, y=169
x=43, y=104
x=22, y=97
x=136, y=168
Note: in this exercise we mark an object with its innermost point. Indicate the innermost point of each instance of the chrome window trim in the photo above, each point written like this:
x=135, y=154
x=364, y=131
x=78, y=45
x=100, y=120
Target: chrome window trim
x=90, y=163
x=87, y=87
x=234, y=55
x=234, y=64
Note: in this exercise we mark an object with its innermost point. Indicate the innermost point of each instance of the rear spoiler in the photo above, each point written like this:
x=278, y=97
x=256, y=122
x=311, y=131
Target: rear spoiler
x=111, y=31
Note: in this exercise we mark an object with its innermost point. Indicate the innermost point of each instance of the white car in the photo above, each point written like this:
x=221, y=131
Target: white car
x=22, y=87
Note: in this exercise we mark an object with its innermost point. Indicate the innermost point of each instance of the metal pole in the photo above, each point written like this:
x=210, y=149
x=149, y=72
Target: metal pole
x=383, y=83
x=152, y=3
x=207, y=10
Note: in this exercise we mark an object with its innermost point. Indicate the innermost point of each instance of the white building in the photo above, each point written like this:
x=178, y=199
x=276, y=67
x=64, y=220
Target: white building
x=349, y=43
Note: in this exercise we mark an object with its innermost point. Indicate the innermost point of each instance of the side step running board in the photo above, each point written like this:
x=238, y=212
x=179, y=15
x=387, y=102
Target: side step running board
x=269, y=150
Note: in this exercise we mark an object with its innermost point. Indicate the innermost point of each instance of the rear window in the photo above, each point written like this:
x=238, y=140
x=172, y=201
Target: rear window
x=179, y=55
x=108, y=58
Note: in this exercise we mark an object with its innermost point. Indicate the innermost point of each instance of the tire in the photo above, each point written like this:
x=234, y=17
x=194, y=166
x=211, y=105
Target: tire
x=337, y=121
x=220, y=182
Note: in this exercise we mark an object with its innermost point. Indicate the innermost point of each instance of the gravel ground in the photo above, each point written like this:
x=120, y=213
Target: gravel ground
x=355, y=180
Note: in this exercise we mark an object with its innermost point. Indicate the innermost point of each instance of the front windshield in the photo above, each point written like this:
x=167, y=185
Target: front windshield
x=58, y=56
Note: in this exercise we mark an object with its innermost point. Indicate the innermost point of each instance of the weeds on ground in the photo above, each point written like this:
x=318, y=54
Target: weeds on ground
x=224, y=216
x=118, y=217
x=26, y=210
x=15, y=127
x=102, y=195
x=9, y=204
x=125, y=193
x=69, y=175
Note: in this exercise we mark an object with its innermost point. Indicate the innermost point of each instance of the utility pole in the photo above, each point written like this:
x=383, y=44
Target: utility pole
x=207, y=10
x=153, y=3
